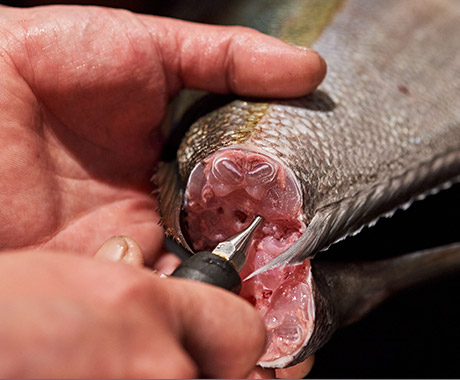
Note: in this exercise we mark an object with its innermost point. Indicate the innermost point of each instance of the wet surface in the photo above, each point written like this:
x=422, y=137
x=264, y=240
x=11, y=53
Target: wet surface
x=415, y=334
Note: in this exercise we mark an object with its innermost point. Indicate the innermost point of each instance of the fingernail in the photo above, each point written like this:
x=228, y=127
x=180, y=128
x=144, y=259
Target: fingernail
x=133, y=254
x=323, y=63
x=321, y=60
x=114, y=249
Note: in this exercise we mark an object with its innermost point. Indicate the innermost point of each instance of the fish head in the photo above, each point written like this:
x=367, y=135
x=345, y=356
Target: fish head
x=219, y=183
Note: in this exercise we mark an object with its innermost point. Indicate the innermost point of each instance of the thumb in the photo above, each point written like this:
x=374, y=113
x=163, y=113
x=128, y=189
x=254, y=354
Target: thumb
x=223, y=333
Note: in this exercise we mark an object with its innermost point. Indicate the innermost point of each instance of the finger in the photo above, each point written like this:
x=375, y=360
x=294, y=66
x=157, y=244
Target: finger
x=101, y=70
x=213, y=58
x=166, y=263
x=223, y=333
x=121, y=248
x=97, y=71
x=134, y=218
x=298, y=371
x=262, y=373
x=234, y=59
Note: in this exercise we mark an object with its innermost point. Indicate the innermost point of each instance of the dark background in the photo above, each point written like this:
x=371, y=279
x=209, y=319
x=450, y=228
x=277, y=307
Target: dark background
x=415, y=334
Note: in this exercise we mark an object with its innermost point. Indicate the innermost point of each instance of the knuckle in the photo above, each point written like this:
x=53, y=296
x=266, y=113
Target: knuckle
x=242, y=35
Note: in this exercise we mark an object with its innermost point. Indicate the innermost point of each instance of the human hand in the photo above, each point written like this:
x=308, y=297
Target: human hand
x=83, y=91
x=82, y=318
x=120, y=248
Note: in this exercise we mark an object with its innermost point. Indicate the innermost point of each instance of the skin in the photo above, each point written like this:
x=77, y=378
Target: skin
x=82, y=95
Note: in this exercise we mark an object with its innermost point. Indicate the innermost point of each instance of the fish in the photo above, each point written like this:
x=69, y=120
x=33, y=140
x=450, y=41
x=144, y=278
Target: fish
x=344, y=292
x=381, y=131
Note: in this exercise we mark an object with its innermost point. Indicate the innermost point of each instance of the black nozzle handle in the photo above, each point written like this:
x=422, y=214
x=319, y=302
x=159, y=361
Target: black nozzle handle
x=210, y=268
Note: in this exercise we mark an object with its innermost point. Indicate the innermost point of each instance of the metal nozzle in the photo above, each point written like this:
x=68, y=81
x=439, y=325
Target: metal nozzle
x=236, y=248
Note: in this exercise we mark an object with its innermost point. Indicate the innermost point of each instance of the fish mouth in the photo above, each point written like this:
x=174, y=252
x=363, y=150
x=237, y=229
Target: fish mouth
x=224, y=193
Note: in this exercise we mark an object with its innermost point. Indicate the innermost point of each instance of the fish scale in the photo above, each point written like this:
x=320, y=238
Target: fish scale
x=376, y=133
x=382, y=129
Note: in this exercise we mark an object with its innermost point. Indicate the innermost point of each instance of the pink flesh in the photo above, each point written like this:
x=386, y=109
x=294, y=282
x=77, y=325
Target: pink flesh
x=223, y=196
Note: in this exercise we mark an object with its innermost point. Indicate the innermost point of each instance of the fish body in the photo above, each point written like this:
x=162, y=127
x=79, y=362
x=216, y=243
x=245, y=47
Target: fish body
x=345, y=292
x=382, y=130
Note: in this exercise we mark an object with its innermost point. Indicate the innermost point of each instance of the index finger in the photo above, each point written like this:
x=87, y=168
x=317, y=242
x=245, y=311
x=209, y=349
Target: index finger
x=79, y=47
x=108, y=74
x=235, y=59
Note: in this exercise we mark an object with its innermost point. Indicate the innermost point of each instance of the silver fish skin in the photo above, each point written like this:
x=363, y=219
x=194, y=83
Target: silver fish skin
x=346, y=292
x=382, y=130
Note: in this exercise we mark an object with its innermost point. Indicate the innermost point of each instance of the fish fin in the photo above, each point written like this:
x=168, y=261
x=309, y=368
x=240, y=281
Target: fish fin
x=170, y=197
x=304, y=246
x=338, y=220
